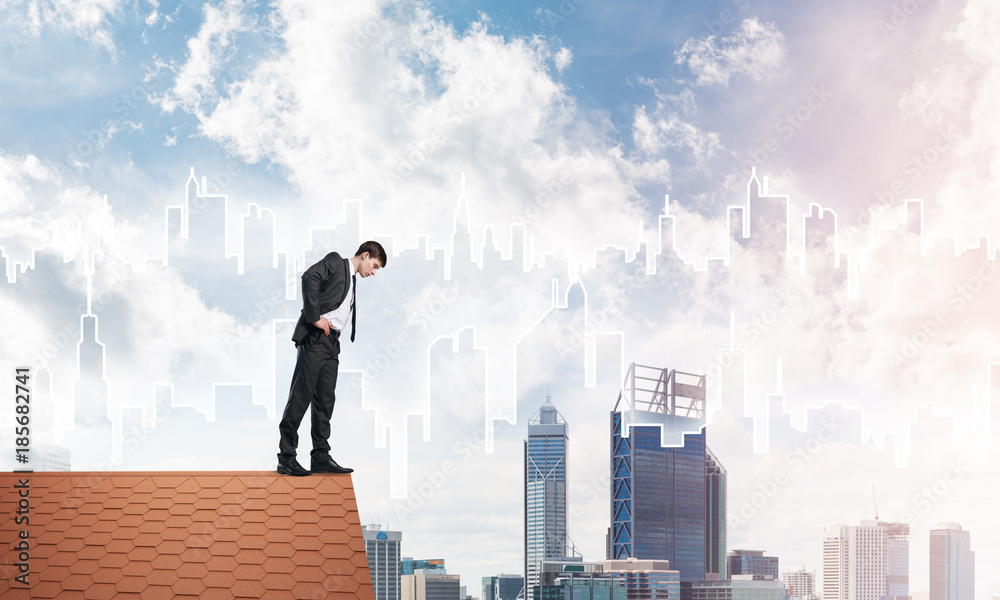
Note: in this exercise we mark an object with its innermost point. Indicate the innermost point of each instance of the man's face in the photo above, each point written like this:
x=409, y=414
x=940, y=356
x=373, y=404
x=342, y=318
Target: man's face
x=369, y=265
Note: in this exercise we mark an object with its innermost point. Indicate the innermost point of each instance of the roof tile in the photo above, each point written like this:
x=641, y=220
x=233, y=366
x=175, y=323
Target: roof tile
x=188, y=586
x=221, y=579
x=195, y=535
x=249, y=572
x=248, y=589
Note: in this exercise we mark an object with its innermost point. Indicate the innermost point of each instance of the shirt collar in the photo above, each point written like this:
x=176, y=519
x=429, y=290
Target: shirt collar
x=350, y=266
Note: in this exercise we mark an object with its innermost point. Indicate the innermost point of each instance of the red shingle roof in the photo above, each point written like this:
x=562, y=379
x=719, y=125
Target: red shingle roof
x=174, y=534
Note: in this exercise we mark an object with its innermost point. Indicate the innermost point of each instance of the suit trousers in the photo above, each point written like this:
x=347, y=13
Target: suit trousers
x=314, y=382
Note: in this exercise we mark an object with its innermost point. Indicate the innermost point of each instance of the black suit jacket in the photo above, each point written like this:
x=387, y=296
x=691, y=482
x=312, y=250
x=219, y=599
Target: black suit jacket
x=324, y=288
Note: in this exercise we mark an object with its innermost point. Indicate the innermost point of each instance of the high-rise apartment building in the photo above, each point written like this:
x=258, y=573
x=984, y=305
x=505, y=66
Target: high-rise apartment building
x=715, y=517
x=801, y=584
x=544, y=491
x=383, y=548
x=752, y=562
x=658, y=470
x=866, y=561
x=952, y=563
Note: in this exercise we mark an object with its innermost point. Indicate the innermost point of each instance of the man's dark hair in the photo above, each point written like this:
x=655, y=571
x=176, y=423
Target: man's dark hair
x=374, y=250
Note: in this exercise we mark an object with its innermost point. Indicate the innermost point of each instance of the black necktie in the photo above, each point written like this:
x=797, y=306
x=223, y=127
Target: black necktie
x=354, y=305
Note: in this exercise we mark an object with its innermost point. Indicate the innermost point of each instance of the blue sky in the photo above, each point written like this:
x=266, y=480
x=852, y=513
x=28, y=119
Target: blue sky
x=565, y=123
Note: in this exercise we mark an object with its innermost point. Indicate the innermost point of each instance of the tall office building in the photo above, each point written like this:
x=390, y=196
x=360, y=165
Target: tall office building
x=645, y=579
x=752, y=562
x=544, y=491
x=502, y=587
x=739, y=587
x=801, y=584
x=431, y=586
x=866, y=561
x=423, y=565
x=383, y=560
x=897, y=548
x=952, y=564
x=658, y=470
x=715, y=517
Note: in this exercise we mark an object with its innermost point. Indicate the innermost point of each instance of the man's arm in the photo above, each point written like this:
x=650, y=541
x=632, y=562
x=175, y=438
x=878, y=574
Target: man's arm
x=312, y=279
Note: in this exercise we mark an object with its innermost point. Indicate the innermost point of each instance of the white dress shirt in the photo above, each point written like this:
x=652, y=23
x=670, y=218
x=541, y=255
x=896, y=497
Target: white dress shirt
x=338, y=316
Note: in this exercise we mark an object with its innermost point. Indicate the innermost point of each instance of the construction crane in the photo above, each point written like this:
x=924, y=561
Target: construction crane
x=875, y=500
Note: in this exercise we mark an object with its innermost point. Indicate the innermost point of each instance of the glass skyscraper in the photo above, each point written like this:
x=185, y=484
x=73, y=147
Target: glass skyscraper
x=752, y=562
x=382, y=548
x=658, y=469
x=544, y=491
x=953, y=563
x=715, y=517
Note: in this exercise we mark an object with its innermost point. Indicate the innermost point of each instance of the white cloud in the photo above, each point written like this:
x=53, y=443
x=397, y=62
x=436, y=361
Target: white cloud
x=956, y=94
x=756, y=49
x=653, y=134
x=563, y=59
x=393, y=106
x=88, y=19
x=207, y=52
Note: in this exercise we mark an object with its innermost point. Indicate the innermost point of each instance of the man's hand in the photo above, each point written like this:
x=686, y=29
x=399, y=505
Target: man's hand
x=323, y=324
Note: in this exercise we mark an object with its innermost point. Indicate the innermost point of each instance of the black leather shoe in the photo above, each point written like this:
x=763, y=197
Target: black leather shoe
x=292, y=467
x=329, y=466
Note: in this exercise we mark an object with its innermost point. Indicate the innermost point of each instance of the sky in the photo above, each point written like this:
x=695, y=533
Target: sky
x=794, y=199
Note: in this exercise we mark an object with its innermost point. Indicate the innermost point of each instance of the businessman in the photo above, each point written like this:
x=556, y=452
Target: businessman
x=327, y=303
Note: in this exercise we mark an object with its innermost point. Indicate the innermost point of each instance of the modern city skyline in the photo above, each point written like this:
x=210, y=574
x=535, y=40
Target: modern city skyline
x=780, y=195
